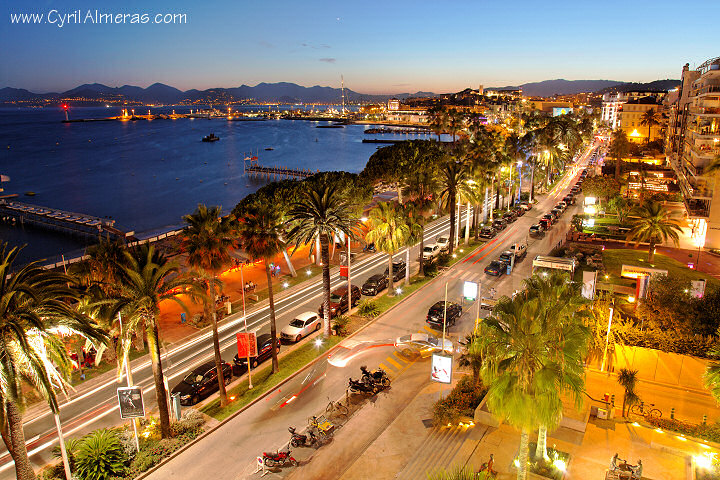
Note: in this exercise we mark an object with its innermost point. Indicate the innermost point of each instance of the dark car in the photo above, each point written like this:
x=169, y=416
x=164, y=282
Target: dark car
x=264, y=346
x=557, y=211
x=545, y=223
x=339, y=300
x=496, y=268
x=569, y=199
x=507, y=257
x=555, y=214
x=200, y=383
x=499, y=224
x=487, y=232
x=398, y=270
x=374, y=284
x=510, y=216
x=519, y=211
x=437, y=311
x=549, y=217
x=537, y=230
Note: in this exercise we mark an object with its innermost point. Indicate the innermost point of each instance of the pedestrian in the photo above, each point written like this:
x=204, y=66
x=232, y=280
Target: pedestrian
x=277, y=270
x=638, y=470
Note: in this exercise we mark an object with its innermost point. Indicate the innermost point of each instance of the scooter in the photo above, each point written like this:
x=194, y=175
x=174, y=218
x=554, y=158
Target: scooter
x=358, y=386
x=279, y=458
x=378, y=377
x=300, y=440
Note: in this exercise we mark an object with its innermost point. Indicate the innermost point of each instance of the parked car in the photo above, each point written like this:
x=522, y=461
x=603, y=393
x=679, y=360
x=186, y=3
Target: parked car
x=437, y=311
x=563, y=205
x=499, y=224
x=545, y=223
x=374, y=285
x=200, y=383
x=430, y=252
x=506, y=257
x=487, y=232
x=510, y=216
x=525, y=205
x=301, y=326
x=398, y=270
x=422, y=345
x=496, y=268
x=339, y=300
x=569, y=199
x=549, y=217
x=443, y=242
x=537, y=230
x=519, y=211
x=555, y=214
x=264, y=351
x=520, y=250
x=557, y=210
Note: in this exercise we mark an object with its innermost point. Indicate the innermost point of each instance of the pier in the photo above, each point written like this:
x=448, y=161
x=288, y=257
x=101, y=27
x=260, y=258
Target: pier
x=251, y=167
x=54, y=219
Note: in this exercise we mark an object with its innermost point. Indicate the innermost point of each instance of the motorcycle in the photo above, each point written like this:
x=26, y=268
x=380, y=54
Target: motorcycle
x=300, y=440
x=358, y=386
x=279, y=458
x=378, y=377
x=370, y=248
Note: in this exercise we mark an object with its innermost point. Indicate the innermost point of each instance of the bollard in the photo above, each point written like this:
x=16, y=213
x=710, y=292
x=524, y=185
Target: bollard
x=612, y=400
x=704, y=420
x=672, y=413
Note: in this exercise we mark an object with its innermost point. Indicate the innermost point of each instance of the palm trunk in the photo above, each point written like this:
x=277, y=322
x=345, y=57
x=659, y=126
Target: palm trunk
x=318, y=250
x=541, y=449
x=293, y=273
x=532, y=183
x=216, y=342
x=153, y=339
x=497, y=196
x=617, y=168
x=523, y=455
x=407, y=266
x=476, y=221
x=422, y=245
x=273, y=327
x=399, y=192
x=467, y=223
x=452, y=222
x=488, y=192
x=651, y=251
x=391, y=291
x=14, y=439
x=324, y=249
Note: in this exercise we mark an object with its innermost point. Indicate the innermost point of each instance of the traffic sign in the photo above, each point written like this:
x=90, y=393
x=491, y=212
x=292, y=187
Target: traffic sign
x=131, y=402
x=247, y=344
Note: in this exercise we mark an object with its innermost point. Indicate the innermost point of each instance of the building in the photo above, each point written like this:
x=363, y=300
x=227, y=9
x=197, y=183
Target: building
x=612, y=104
x=393, y=104
x=631, y=115
x=692, y=142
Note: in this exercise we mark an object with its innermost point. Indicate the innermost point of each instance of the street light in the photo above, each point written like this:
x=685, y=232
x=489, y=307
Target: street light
x=607, y=336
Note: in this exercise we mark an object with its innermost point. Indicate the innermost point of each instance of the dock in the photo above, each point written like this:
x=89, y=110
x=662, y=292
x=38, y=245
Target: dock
x=59, y=220
x=252, y=168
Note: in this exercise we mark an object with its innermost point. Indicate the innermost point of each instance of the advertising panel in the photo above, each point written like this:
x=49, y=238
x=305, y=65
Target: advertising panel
x=131, y=402
x=441, y=368
x=247, y=344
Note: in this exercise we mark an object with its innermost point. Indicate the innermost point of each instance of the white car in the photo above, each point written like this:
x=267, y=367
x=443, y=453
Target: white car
x=430, y=252
x=421, y=345
x=301, y=326
x=443, y=242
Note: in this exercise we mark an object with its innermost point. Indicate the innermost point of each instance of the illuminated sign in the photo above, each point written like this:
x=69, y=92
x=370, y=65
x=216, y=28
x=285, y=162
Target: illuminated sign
x=633, y=271
x=441, y=368
x=470, y=290
x=131, y=402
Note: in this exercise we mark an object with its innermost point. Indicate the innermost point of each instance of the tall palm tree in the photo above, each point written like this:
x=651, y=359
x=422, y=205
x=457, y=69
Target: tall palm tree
x=438, y=120
x=619, y=148
x=627, y=379
x=654, y=224
x=260, y=234
x=517, y=149
x=453, y=173
x=649, y=119
x=420, y=188
x=415, y=221
x=147, y=278
x=455, y=122
x=389, y=231
x=34, y=302
x=322, y=213
x=207, y=241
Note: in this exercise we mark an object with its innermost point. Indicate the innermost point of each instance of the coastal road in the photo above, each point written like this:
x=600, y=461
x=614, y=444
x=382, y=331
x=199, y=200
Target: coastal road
x=229, y=452
x=97, y=407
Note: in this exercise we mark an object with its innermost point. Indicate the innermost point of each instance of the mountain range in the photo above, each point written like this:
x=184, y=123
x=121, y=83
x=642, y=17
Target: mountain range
x=285, y=92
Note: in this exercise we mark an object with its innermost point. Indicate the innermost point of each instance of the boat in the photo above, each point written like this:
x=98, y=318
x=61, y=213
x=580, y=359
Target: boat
x=210, y=138
x=269, y=149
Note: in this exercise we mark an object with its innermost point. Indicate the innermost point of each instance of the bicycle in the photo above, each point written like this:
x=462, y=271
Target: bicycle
x=336, y=409
x=322, y=426
x=644, y=409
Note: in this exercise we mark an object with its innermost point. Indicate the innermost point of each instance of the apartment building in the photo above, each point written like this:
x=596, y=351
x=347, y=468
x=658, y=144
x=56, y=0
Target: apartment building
x=612, y=105
x=693, y=142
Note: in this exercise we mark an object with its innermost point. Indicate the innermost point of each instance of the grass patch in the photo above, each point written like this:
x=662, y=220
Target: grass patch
x=264, y=380
x=613, y=259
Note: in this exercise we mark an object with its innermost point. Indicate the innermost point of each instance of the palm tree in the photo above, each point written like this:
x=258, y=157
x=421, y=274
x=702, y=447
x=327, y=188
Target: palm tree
x=517, y=149
x=453, y=173
x=438, y=120
x=654, y=224
x=619, y=148
x=34, y=303
x=147, y=278
x=622, y=208
x=207, y=241
x=260, y=234
x=650, y=119
x=627, y=379
x=455, y=122
x=420, y=187
x=321, y=214
x=389, y=231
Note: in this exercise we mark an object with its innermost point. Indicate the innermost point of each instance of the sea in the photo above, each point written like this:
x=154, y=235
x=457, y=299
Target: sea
x=146, y=175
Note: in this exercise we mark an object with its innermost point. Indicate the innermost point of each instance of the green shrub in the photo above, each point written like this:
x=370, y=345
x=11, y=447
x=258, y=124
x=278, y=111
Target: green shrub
x=430, y=269
x=100, y=456
x=340, y=324
x=461, y=401
x=71, y=447
x=369, y=309
x=191, y=421
x=443, y=259
x=709, y=432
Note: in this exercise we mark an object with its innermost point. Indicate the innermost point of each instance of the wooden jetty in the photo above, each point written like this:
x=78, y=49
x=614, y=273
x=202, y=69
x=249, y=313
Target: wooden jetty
x=251, y=167
x=54, y=219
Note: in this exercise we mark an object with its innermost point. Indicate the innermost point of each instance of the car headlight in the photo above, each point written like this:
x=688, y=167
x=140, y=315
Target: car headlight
x=184, y=397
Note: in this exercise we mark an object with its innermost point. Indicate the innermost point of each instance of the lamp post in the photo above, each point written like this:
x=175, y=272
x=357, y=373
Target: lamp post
x=519, y=163
x=607, y=336
x=242, y=281
x=129, y=379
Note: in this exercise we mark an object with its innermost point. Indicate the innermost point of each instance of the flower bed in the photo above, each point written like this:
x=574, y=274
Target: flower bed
x=709, y=432
x=552, y=467
x=462, y=401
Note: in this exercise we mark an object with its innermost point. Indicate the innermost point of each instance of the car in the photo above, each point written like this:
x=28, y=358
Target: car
x=537, y=230
x=201, y=382
x=519, y=211
x=398, y=270
x=545, y=224
x=487, y=232
x=301, y=326
x=499, y=224
x=264, y=351
x=557, y=211
x=430, y=252
x=506, y=257
x=421, y=345
x=549, y=217
x=509, y=216
x=555, y=214
x=374, y=284
x=569, y=200
x=339, y=300
x=496, y=268
x=437, y=312
x=520, y=250
x=525, y=205
x=563, y=205
x=443, y=242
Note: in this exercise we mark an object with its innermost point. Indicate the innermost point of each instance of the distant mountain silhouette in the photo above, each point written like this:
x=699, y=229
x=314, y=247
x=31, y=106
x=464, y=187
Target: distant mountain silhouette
x=548, y=88
x=656, y=86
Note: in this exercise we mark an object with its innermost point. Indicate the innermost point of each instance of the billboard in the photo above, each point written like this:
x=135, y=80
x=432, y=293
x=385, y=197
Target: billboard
x=588, y=286
x=247, y=345
x=441, y=369
x=470, y=290
x=131, y=402
x=557, y=111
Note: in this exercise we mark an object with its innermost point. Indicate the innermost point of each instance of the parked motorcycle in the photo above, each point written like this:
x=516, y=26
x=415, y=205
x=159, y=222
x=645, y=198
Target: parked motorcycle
x=370, y=248
x=378, y=377
x=358, y=386
x=280, y=458
x=300, y=440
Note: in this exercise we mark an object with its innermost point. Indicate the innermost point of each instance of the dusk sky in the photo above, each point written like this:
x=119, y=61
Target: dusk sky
x=380, y=47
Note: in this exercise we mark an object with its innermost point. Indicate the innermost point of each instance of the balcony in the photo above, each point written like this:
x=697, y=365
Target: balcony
x=708, y=89
x=705, y=110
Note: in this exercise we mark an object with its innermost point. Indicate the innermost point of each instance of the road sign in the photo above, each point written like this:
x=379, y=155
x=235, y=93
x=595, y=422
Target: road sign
x=131, y=402
x=441, y=369
x=247, y=344
x=470, y=290
x=343, y=271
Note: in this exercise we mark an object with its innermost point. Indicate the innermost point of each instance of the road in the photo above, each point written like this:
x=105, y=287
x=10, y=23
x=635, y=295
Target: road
x=97, y=407
x=263, y=426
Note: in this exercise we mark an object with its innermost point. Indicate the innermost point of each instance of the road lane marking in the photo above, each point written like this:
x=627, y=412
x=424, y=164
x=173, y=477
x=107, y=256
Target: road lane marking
x=399, y=357
x=394, y=363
